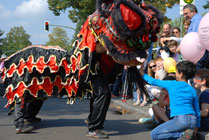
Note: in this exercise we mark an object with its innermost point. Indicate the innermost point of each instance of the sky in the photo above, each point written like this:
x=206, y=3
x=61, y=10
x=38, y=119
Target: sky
x=31, y=14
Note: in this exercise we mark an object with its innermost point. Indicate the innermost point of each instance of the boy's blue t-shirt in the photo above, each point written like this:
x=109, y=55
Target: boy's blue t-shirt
x=183, y=97
x=204, y=98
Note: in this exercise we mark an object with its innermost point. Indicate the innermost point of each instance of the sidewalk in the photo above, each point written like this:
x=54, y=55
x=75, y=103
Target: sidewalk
x=144, y=110
x=129, y=105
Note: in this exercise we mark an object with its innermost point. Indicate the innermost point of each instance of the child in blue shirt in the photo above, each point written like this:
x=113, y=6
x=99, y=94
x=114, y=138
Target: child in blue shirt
x=184, y=104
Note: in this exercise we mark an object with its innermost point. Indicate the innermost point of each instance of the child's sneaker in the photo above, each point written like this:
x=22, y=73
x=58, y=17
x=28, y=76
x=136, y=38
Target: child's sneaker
x=188, y=135
x=145, y=120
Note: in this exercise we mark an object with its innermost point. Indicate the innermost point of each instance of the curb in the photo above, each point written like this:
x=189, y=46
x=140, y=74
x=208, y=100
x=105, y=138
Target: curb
x=144, y=110
x=129, y=105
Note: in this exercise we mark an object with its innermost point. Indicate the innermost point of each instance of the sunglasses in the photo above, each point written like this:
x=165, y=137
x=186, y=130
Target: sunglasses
x=197, y=79
x=152, y=66
x=175, y=32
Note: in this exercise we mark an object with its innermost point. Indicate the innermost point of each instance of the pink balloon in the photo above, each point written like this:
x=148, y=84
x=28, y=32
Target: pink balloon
x=191, y=47
x=203, y=31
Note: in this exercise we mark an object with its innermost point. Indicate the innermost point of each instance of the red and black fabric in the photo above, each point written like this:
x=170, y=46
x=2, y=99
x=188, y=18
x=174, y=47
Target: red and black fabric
x=124, y=28
x=33, y=69
x=38, y=71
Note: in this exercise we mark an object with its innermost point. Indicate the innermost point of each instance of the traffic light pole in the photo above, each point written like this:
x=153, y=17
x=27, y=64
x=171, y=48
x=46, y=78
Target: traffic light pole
x=62, y=26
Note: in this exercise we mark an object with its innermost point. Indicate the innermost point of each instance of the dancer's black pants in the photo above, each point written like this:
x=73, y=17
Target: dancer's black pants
x=99, y=103
x=26, y=110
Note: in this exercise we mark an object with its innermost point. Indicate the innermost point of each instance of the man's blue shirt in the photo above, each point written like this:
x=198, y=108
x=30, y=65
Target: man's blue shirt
x=195, y=21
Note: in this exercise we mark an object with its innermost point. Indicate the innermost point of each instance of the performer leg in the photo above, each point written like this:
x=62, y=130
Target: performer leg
x=32, y=110
x=19, y=114
x=20, y=109
x=100, y=104
x=90, y=111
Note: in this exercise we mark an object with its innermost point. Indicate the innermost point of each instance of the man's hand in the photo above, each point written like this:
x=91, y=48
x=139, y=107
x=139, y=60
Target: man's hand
x=163, y=40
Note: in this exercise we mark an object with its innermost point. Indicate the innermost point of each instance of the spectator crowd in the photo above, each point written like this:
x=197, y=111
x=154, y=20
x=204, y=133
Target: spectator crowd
x=178, y=89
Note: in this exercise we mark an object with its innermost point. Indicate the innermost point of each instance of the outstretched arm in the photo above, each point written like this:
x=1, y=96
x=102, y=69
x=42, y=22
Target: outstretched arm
x=167, y=84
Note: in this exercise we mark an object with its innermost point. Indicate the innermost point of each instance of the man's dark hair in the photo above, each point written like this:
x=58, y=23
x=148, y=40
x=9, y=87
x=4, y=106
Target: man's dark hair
x=187, y=68
x=172, y=42
x=191, y=7
x=204, y=74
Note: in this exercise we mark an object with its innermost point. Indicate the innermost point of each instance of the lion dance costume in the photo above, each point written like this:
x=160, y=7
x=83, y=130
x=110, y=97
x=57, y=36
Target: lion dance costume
x=122, y=30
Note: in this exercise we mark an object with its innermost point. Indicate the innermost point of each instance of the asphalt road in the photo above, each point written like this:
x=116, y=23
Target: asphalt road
x=61, y=121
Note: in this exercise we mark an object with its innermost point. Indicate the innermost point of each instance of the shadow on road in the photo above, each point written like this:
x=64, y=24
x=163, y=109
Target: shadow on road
x=124, y=127
x=113, y=127
x=49, y=123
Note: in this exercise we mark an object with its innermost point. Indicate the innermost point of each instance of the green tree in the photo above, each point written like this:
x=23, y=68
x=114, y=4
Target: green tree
x=162, y=5
x=80, y=9
x=15, y=40
x=206, y=6
x=58, y=37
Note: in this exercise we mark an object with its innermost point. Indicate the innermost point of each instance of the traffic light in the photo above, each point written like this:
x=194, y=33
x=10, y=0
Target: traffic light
x=46, y=26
